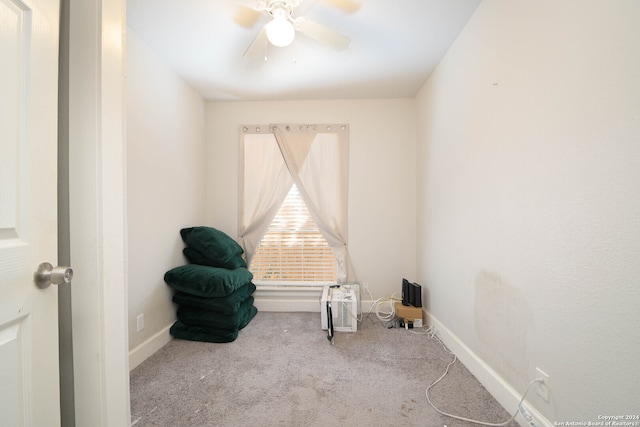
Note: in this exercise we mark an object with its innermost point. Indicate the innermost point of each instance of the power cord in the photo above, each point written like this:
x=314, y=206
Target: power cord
x=432, y=334
x=385, y=314
x=382, y=313
x=389, y=316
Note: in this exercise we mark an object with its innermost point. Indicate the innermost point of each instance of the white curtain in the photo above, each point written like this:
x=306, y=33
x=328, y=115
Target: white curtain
x=264, y=184
x=316, y=158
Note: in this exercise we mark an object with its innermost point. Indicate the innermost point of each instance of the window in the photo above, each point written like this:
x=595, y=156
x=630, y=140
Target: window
x=292, y=213
x=293, y=249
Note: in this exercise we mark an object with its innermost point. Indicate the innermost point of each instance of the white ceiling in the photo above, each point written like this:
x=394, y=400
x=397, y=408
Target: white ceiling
x=395, y=45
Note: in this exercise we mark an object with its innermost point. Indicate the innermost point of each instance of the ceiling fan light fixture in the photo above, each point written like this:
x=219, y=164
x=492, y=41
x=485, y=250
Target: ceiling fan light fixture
x=280, y=31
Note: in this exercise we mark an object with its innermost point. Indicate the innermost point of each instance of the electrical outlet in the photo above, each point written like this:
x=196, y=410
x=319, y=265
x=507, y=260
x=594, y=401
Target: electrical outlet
x=140, y=322
x=543, y=388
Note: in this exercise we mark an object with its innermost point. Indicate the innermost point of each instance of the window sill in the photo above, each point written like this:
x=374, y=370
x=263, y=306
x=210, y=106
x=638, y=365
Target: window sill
x=290, y=286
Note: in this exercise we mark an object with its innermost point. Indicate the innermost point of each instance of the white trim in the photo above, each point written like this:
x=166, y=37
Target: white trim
x=143, y=351
x=496, y=385
x=288, y=288
x=270, y=284
x=292, y=298
x=287, y=298
x=97, y=199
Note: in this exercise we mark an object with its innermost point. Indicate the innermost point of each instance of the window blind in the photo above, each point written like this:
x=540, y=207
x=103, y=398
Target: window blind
x=293, y=249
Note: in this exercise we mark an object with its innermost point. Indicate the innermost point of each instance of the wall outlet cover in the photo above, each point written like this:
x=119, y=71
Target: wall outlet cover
x=543, y=388
x=140, y=322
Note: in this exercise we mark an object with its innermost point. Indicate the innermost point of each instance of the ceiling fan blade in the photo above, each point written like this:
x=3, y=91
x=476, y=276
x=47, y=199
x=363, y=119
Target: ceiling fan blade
x=322, y=33
x=247, y=17
x=257, y=45
x=348, y=6
x=250, y=4
x=304, y=7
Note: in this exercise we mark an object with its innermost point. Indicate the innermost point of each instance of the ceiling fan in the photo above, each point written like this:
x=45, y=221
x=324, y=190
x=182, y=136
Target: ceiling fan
x=287, y=18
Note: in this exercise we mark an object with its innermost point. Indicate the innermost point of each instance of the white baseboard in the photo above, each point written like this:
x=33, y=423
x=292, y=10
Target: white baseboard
x=499, y=389
x=147, y=348
x=292, y=300
x=274, y=298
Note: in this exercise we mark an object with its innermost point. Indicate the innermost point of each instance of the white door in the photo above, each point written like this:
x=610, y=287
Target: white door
x=29, y=390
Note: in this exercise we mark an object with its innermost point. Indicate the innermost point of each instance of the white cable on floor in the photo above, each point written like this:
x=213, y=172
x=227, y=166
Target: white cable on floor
x=386, y=315
x=432, y=334
x=383, y=315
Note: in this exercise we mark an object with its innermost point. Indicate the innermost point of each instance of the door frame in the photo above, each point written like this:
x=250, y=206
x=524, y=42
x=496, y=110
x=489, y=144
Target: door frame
x=97, y=211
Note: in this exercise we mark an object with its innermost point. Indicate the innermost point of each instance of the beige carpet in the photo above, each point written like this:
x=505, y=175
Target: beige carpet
x=282, y=371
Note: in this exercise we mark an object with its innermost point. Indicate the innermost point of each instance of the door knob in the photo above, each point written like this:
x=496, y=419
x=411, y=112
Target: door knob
x=47, y=274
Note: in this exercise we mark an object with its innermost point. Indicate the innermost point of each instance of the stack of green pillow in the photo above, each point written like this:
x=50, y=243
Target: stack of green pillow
x=214, y=291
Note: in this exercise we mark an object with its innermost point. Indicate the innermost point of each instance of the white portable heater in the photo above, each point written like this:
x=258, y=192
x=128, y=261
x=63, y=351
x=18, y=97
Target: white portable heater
x=343, y=302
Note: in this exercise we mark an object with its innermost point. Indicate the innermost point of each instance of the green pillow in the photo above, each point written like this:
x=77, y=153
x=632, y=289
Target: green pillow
x=194, y=256
x=199, y=333
x=202, y=333
x=213, y=244
x=210, y=319
x=205, y=281
x=226, y=305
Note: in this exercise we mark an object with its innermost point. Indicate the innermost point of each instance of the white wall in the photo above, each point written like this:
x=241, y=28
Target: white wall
x=529, y=199
x=165, y=186
x=381, y=173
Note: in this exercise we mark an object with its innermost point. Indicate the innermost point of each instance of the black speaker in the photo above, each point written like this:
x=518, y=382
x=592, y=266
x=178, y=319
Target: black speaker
x=412, y=294
x=416, y=295
x=405, y=292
